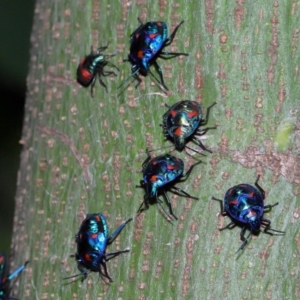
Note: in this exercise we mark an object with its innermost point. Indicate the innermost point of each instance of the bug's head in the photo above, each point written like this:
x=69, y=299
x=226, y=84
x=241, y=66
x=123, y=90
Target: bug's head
x=151, y=190
x=179, y=142
x=254, y=219
x=178, y=134
x=144, y=67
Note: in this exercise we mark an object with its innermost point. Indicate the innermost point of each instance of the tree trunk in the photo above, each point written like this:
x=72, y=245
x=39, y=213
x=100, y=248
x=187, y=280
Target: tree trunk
x=83, y=155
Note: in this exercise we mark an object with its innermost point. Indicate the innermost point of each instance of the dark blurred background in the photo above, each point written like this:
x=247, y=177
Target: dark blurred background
x=16, y=19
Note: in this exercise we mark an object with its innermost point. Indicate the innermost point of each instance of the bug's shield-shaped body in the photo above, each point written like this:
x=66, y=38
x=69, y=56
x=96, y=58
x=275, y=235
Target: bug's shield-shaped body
x=160, y=174
x=93, y=66
x=146, y=45
x=245, y=204
x=87, y=67
x=146, y=42
x=160, y=171
x=182, y=120
x=92, y=242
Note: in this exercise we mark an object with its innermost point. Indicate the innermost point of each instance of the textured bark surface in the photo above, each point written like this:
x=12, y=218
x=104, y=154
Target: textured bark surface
x=83, y=155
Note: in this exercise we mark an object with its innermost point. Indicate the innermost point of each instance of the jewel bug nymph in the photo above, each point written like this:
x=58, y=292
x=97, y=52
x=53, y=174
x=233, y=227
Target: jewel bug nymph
x=244, y=203
x=160, y=174
x=92, y=240
x=146, y=45
x=93, y=66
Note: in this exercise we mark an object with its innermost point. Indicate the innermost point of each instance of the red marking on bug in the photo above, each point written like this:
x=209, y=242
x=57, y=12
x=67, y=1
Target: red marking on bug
x=137, y=35
x=153, y=178
x=140, y=54
x=177, y=131
x=85, y=74
x=251, y=194
x=192, y=114
x=1, y=259
x=87, y=257
x=94, y=236
x=234, y=202
x=173, y=113
x=170, y=167
x=97, y=218
x=153, y=35
x=159, y=23
x=251, y=213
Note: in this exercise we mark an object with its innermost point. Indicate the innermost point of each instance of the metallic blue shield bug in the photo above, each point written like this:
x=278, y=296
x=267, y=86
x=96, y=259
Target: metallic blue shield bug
x=244, y=204
x=146, y=45
x=182, y=123
x=160, y=174
x=92, y=240
x=92, y=66
x=5, y=278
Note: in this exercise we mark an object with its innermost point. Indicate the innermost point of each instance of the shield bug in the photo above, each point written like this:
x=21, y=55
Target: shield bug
x=244, y=204
x=146, y=45
x=160, y=174
x=92, y=240
x=182, y=123
x=92, y=66
x=5, y=278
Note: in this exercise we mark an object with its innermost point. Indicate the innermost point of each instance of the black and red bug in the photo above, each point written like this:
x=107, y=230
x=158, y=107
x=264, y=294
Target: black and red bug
x=92, y=240
x=92, y=66
x=183, y=122
x=244, y=204
x=146, y=45
x=160, y=174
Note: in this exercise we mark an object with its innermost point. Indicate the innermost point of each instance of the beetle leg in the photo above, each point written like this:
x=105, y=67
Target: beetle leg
x=159, y=71
x=184, y=192
x=186, y=175
x=138, y=29
x=171, y=37
x=259, y=187
x=92, y=86
x=112, y=66
x=84, y=275
x=115, y=254
x=144, y=203
x=134, y=71
x=199, y=143
x=105, y=273
x=169, y=205
x=172, y=54
x=245, y=240
x=102, y=83
x=204, y=121
x=270, y=206
x=267, y=229
x=117, y=232
x=228, y=226
x=100, y=49
x=204, y=130
x=223, y=212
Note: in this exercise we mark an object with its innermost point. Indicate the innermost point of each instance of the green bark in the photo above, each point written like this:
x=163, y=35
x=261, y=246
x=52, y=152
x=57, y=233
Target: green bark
x=83, y=155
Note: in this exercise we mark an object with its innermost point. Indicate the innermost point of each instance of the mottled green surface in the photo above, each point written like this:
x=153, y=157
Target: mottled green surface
x=284, y=135
x=84, y=155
